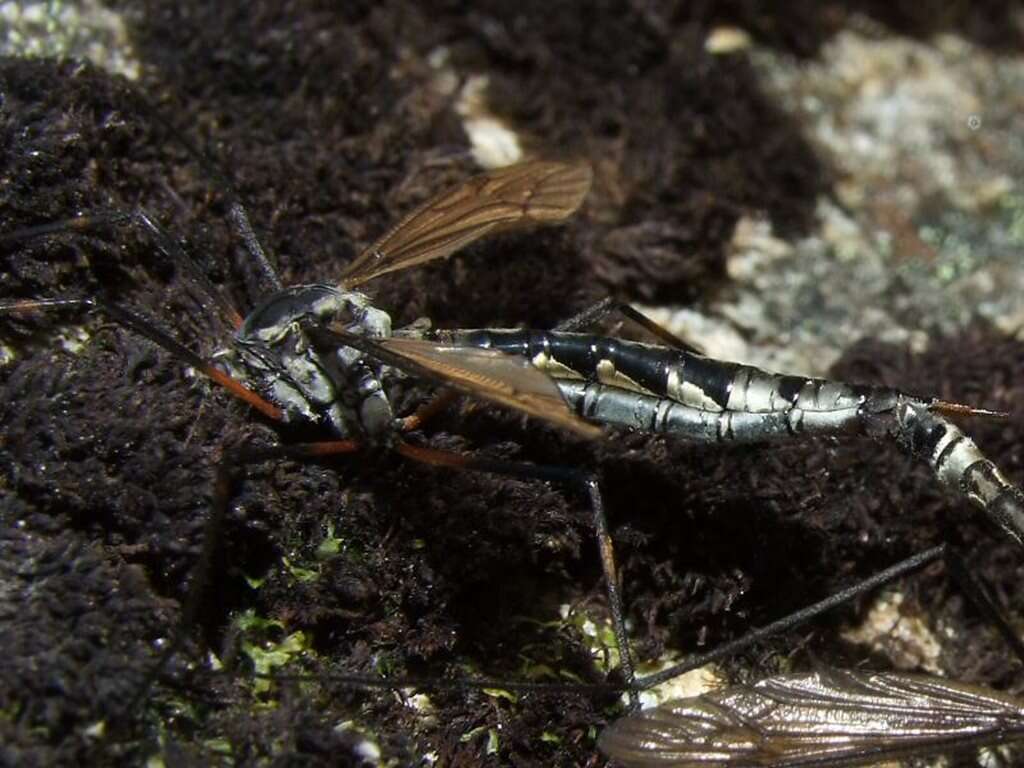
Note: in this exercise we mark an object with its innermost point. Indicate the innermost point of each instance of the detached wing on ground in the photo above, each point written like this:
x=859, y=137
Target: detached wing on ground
x=829, y=718
x=519, y=196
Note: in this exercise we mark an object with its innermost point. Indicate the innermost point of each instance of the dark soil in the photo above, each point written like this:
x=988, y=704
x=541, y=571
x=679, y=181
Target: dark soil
x=323, y=121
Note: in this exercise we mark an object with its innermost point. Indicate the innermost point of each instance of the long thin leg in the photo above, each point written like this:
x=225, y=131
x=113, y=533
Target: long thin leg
x=827, y=717
x=237, y=215
x=231, y=461
x=597, y=312
x=584, y=481
x=212, y=533
x=149, y=330
x=979, y=595
x=574, y=477
x=974, y=590
x=224, y=476
x=429, y=410
x=796, y=618
x=784, y=624
x=165, y=245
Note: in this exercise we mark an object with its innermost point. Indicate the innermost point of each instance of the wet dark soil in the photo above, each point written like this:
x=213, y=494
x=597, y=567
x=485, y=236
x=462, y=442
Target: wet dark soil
x=325, y=122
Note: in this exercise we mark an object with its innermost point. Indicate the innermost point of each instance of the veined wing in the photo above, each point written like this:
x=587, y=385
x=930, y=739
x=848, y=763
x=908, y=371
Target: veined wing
x=518, y=196
x=508, y=380
x=829, y=718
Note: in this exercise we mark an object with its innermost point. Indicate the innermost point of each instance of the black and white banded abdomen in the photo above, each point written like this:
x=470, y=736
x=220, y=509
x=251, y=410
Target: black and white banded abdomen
x=683, y=377
x=672, y=391
x=960, y=465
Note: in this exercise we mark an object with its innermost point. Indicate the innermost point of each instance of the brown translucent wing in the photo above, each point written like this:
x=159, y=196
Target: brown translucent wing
x=521, y=195
x=830, y=718
x=508, y=380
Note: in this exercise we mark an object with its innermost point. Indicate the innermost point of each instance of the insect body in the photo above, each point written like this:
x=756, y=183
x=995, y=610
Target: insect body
x=682, y=393
x=342, y=388
x=341, y=391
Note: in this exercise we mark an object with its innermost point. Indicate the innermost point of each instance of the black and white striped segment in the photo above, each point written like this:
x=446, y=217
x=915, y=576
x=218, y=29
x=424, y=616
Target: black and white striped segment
x=672, y=391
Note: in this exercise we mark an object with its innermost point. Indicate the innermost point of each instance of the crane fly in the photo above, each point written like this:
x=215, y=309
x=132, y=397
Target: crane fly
x=271, y=363
x=342, y=389
x=325, y=355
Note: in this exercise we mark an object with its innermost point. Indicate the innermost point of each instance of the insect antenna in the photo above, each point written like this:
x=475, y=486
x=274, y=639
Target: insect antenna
x=237, y=216
x=134, y=321
x=165, y=244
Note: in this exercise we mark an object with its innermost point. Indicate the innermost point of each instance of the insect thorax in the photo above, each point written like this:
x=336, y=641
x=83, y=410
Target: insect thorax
x=272, y=354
